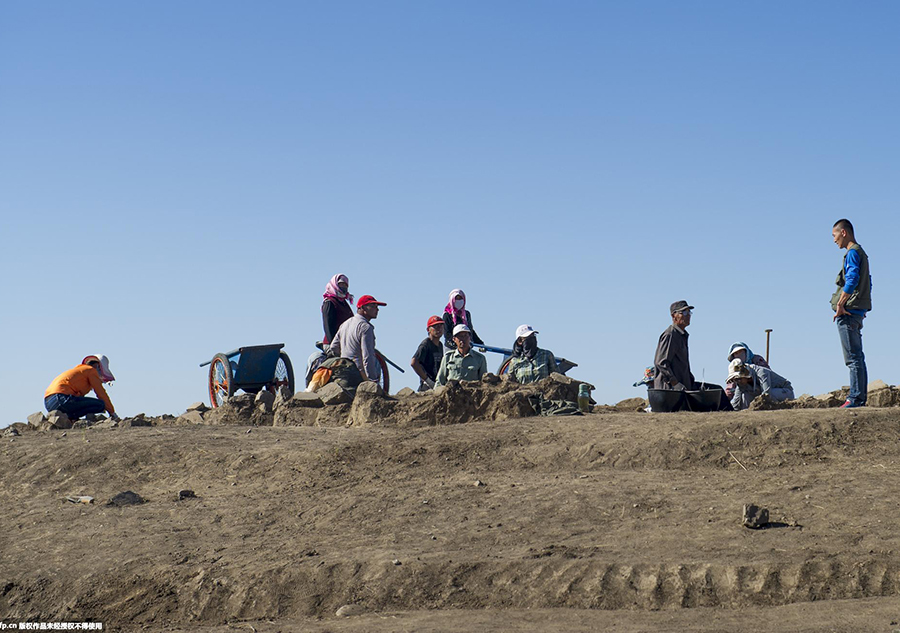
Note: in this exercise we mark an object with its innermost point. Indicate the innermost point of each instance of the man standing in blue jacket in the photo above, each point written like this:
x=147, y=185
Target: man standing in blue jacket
x=850, y=302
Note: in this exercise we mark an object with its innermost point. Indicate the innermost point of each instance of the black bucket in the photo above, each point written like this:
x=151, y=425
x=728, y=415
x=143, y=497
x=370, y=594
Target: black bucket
x=666, y=400
x=704, y=400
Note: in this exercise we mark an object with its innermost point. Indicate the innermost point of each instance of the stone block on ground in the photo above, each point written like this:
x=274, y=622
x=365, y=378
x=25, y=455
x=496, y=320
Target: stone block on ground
x=294, y=414
x=190, y=417
x=306, y=399
x=127, y=498
x=888, y=397
x=333, y=415
x=282, y=395
x=754, y=516
x=138, y=420
x=350, y=610
x=406, y=392
x=875, y=385
x=265, y=400
x=239, y=411
x=38, y=420
x=369, y=388
x=332, y=394
x=59, y=420
x=200, y=407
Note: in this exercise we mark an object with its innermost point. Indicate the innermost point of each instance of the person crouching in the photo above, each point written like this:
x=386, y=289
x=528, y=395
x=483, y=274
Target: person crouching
x=751, y=381
x=68, y=391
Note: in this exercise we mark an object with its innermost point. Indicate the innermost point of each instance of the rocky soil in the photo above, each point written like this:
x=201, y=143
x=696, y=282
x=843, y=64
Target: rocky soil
x=475, y=519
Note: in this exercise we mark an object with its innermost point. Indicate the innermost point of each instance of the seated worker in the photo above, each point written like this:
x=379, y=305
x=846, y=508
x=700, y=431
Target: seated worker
x=355, y=339
x=455, y=313
x=742, y=351
x=751, y=381
x=68, y=390
x=427, y=360
x=672, y=363
x=529, y=362
x=463, y=362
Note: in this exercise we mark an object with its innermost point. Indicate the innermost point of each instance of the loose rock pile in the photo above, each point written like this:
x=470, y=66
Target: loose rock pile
x=458, y=402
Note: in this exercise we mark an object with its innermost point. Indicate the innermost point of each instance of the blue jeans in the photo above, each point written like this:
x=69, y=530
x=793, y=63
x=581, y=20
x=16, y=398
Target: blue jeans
x=74, y=406
x=850, y=331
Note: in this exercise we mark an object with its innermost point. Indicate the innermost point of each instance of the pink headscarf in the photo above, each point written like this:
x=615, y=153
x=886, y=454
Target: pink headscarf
x=459, y=316
x=332, y=291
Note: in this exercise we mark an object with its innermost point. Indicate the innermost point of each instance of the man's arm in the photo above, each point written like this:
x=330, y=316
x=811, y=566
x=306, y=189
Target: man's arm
x=851, y=281
x=552, y=363
x=482, y=366
x=764, y=379
x=97, y=386
x=662, y=361
x=419, y=368
x=334, y=348
x=442, y=372
x=737, y=398
x=367, y=349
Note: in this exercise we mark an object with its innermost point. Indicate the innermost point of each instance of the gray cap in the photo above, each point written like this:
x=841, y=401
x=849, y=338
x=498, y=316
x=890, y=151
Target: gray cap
x=679, y=306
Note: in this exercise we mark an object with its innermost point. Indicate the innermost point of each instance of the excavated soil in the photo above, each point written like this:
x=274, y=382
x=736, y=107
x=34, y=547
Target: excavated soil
x=615, y=521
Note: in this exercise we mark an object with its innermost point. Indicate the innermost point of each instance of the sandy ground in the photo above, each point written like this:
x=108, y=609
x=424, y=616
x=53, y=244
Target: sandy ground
x=623, y=522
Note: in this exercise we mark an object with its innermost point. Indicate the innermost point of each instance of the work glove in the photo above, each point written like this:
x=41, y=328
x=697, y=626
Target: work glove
x=114, y=416
x=429, y=383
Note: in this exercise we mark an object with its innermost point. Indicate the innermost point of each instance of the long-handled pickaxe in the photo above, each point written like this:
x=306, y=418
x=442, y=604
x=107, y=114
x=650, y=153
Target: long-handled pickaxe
x=768, y=333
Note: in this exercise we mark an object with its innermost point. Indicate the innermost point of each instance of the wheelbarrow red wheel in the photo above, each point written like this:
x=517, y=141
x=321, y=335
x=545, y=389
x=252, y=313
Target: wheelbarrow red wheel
x=221, y=380
x=284, y=373
x=504, y=368
x=385, y=380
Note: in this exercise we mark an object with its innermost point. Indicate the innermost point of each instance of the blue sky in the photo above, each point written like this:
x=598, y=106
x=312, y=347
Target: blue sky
x=179, y=179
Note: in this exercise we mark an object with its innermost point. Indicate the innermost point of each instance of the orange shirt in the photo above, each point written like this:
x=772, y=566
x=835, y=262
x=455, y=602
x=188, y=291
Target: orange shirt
x=80, y=381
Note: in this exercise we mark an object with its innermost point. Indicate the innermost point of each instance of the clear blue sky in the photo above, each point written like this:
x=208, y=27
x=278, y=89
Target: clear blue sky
x=182, y=178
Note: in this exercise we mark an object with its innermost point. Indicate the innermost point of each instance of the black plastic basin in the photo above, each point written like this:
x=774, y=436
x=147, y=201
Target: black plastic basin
x=704, y=400
x=665, y=400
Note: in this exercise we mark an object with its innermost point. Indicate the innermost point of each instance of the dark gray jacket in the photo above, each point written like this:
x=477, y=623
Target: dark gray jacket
x=672, y=363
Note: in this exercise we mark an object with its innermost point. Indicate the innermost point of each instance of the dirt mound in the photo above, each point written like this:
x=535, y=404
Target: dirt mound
x=622, y=512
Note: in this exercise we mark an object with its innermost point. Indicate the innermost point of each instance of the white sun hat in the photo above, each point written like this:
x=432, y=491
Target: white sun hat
x=105, y=374
x=525, y=330
x=462, y=327
x=737, y=369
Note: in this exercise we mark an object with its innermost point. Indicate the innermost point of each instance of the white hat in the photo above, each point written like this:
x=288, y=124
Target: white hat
x=735, y=350
x=525, y=330
x=105, y=374
x=462, y=327
x=737, y=369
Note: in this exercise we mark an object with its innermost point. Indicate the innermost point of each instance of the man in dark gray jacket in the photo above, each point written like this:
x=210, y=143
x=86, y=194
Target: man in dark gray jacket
x=673, y=366
x=672, y=362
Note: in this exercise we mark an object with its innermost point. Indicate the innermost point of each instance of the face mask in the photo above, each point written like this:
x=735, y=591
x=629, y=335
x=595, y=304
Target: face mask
x=529, y=346
x=458, y=304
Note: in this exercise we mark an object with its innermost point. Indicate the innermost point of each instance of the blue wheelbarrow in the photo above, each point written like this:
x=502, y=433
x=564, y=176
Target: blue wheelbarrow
x=249, y=368
x=562, y=364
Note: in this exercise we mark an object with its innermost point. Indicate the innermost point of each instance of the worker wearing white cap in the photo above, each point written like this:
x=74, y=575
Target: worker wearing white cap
x=68, y=390
x=751, y=380
x=462, y=363
x=529, y=362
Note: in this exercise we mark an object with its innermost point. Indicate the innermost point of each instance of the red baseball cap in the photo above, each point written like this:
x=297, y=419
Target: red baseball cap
x=366, y=300
x=435, y=320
